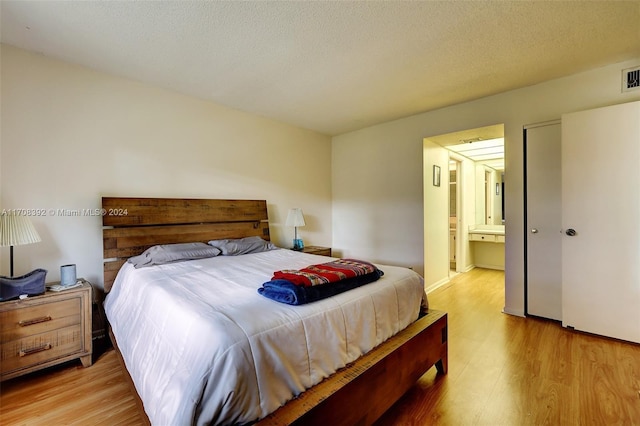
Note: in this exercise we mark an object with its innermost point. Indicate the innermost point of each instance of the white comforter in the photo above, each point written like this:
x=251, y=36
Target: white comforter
x=203, y=347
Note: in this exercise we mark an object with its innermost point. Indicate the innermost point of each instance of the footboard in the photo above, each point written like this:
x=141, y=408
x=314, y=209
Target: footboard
x=361, y=392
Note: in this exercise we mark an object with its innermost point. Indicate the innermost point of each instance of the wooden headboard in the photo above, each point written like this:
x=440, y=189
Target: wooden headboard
x=132, y=225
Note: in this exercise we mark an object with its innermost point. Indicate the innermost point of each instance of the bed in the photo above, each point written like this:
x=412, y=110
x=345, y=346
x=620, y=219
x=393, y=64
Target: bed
x=199, y=354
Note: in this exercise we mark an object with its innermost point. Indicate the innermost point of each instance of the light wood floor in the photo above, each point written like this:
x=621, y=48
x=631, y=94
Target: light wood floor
x=506, y=370
x=503, y=370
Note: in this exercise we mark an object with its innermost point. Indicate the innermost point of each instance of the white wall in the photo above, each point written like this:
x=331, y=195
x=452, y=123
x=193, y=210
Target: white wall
x=70, y=135
x=377, y=196
x=480, y=195
x=465, y=259
x=377, y=171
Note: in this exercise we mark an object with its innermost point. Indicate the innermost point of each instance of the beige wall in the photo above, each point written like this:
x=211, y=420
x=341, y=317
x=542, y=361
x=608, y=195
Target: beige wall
x=379, y=214
x=70, y=135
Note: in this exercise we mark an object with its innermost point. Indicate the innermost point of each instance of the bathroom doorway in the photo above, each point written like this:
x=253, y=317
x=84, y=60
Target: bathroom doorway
x=474, y=160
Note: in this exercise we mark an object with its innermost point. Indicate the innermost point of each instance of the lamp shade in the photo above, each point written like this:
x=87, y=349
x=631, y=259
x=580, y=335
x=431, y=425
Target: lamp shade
x=295, y=217
x=16, y=230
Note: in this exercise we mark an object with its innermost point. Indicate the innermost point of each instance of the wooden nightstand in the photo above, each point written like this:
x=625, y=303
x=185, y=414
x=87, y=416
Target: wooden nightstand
x=41, y=331
x=322, y=251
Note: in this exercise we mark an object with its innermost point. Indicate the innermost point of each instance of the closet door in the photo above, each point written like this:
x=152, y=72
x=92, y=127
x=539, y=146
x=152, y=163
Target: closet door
x=543, y=220
x=601, y=221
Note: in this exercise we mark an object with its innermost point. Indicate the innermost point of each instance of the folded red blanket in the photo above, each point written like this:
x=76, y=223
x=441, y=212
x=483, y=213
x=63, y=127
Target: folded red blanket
x=325, y=273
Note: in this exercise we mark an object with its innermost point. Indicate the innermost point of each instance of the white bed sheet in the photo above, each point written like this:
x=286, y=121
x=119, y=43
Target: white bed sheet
x=203, y=347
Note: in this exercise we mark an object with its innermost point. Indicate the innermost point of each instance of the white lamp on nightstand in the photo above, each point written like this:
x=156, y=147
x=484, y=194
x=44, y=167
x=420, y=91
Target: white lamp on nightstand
x=16, y=230
x=295, y=218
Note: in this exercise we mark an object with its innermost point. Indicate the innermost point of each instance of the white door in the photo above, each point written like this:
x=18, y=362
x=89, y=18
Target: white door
x=544, y=221
x=601, y=219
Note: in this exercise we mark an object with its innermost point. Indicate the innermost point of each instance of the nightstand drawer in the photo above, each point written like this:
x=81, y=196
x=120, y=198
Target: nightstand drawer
x=39, y=348
x=36, y=319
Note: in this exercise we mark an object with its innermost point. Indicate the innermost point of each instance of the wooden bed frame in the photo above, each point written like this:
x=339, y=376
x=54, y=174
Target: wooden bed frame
x=357, y=394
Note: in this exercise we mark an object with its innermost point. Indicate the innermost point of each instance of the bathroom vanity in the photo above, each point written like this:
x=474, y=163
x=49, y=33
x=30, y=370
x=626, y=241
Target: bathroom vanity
x=487, y=246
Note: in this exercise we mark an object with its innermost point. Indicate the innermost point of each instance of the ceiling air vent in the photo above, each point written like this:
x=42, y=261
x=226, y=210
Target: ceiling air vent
x=631, y=79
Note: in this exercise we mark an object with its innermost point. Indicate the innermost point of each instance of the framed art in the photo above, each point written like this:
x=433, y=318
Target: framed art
x=436, y=175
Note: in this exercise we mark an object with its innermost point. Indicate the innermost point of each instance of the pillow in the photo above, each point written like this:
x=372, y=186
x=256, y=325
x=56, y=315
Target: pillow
x=242, y=246
x=169, y=253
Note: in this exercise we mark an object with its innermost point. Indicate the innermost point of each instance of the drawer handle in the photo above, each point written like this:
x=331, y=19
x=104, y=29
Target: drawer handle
x=33, y=321
x=32, y=351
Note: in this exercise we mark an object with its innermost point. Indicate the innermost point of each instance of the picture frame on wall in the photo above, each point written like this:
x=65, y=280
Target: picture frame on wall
x=436, y=175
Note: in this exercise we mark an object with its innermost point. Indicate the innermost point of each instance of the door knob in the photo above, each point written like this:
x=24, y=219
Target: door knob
x=571, y=232
x=534, y=231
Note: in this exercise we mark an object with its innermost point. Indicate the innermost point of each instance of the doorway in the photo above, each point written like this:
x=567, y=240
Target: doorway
x=472, y=162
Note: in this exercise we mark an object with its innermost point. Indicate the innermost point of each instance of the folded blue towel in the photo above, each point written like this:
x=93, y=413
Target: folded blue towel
x=285, y=291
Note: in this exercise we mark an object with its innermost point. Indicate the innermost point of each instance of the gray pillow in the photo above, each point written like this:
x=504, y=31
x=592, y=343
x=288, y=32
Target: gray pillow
x=234, y=247
x=169, y=253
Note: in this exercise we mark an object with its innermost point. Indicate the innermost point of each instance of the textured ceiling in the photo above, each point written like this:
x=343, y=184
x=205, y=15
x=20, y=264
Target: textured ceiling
x=332, y=67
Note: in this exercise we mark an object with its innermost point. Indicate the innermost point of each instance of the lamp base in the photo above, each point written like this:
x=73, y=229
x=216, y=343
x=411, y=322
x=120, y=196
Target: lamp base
x=298, y=244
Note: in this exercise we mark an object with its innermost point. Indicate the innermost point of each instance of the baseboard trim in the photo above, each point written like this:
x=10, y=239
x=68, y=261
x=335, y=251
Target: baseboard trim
x=437, y=285
x=496, y=267
x=514, y=312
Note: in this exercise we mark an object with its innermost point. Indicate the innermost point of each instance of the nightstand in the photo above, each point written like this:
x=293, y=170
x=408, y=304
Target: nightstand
x=322, y=251
x=41, y=331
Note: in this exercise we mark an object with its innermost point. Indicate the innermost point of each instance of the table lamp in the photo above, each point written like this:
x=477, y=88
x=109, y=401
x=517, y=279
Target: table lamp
x=16, y=230
x=295, y=218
